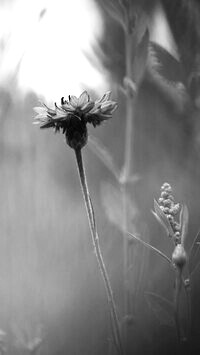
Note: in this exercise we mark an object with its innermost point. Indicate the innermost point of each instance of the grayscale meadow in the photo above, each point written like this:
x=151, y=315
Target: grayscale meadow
x=100, y=177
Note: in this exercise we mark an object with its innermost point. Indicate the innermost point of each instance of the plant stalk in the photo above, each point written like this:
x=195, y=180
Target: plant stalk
x=127, y=172
x=178, y=283
x=97, y=249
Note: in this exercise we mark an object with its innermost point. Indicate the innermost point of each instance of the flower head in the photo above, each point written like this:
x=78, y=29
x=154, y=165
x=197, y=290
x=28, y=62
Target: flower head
x=72, y=116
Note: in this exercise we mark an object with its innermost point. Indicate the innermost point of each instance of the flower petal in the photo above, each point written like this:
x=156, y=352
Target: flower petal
x=39, y=110
x=83, y=99
x=73, y=100
x=66, y=107
x=87, y=107
x=105, y=97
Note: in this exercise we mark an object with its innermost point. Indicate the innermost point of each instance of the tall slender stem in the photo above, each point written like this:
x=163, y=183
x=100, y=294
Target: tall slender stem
x=96, y=245
x=178, y=283
x=127, y=170
x=129, y=105
x=187, y=288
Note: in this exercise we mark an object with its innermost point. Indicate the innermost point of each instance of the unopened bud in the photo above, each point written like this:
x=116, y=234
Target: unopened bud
x=179, y=256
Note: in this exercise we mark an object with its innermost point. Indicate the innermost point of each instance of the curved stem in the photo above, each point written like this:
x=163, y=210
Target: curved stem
x=95, y=241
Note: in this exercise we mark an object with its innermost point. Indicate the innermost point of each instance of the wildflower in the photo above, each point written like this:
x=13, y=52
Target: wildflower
x=72, y=116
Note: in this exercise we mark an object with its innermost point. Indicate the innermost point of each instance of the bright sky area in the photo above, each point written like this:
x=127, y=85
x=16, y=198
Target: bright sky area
x=46, y=41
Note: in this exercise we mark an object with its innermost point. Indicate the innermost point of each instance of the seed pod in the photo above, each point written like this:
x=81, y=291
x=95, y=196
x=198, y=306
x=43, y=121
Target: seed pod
x=179, y=256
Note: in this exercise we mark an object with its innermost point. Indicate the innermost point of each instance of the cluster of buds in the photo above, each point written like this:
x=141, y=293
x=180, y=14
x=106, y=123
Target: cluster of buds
x=171, y=210
x=174, y=218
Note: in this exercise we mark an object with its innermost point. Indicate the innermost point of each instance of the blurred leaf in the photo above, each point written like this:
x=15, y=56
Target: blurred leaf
x=115, y=10
x=162, y=308
x=112, y=200
x=141, y=25
x=169, y=66
x=103, y=154
x=170, y=83
x=124, y=178
x=163, y=220
x=194, y=255
x=184, y=217
x=140, y=59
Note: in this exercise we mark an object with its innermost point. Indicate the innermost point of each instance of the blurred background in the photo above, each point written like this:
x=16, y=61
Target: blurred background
x=50, y=285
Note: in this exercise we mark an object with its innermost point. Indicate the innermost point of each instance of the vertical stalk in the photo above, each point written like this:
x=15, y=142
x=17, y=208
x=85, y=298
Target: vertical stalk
x=127, y=170
x=96, y=245
x=178, y=283
x=187, y=288
x=129, y=105
x=188, y=296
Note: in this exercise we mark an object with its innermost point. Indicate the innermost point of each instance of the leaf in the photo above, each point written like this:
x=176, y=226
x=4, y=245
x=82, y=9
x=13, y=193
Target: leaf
x=112, y=200
x=194, y=254
x=162, y=308
x=184, y=217
x=140, y=25
x=115, y=11
x=169, y=66
x=161, y=217
x=149, y=246
x=102, y=153
x=140, y=60
x=171, y=84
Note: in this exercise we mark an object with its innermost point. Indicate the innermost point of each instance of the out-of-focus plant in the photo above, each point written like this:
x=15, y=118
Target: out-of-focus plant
x=2, y=342
x=174, y=219
x=72, y=117
x=26, y=339
x=140, y=60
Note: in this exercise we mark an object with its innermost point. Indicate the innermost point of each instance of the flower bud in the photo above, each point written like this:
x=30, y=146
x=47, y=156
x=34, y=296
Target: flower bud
x=167, y=202
x=179, y=256
x=164, y=194
x=165, y=186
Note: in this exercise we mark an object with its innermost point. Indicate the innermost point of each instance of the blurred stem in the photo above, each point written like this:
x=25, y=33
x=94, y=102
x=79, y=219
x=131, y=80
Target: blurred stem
x=178, y=283
x=129, y=106
x=96, y=245
x=188, y=296
x=127, y=171
x=187, y=288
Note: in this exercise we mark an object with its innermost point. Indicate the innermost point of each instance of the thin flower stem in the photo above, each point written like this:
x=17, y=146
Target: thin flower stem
x=187, y=288
x=178, y=283
x=96, y=245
